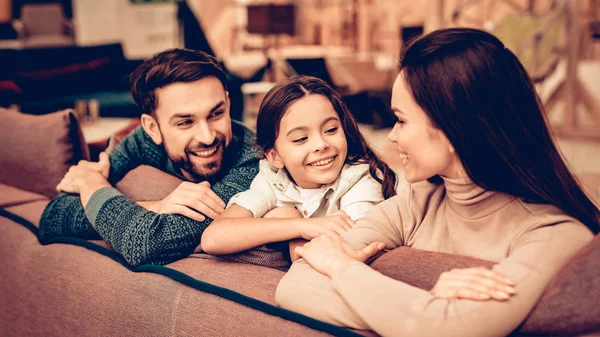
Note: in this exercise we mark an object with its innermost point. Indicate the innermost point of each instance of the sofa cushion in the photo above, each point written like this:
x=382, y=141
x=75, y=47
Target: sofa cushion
x=38, y=162
x=44, y=73
x=421, y=268
x=564, y=308
x=147, y=183
x=568, y=305
x=12, y=196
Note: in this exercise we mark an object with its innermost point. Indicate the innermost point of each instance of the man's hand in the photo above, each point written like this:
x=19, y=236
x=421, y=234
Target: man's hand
x=195, y=201
x=85, y=171
x=338, y=222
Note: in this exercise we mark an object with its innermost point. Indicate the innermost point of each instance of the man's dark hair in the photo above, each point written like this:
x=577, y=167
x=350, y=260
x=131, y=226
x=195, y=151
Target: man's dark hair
x=167, y=67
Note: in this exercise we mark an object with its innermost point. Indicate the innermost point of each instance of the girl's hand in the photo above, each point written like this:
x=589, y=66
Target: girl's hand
x=338, y=222
x=329, y=252
x=479, y=284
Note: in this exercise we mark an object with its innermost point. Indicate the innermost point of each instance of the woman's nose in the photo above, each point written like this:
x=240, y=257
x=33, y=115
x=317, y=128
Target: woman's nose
x=392, y=135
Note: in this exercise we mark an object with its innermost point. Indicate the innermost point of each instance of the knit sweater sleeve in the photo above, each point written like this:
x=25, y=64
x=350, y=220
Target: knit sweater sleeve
x=144, y=237
x=65, y=216
x=134, y=150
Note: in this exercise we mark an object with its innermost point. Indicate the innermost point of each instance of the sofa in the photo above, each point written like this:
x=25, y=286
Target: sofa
x=74, y=287
x=45, y=79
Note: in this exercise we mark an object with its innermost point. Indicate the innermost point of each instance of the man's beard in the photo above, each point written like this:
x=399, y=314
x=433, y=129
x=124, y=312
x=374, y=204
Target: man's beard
x=206, y=170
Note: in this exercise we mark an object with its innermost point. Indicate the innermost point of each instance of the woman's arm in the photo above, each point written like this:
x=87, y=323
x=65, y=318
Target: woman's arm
x=309, y=292
x=393, y=308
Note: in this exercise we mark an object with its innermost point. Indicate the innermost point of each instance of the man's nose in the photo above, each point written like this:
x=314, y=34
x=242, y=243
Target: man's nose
x=204, y=134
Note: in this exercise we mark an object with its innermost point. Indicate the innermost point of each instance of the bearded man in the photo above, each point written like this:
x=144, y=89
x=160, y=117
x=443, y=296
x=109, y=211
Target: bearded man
x=186, y=131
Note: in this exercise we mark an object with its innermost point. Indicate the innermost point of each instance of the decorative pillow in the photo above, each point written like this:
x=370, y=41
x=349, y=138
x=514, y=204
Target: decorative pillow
x=37, y=151
x=567, y=306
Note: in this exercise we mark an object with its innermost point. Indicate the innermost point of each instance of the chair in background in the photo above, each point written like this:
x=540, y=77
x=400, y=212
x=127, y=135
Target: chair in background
x=571, y=90
x=542, y=41
x=367, y=106
x=42, y=25
x=316, y=67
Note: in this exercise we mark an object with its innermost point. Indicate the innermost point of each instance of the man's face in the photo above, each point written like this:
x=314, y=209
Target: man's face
x=194, y=125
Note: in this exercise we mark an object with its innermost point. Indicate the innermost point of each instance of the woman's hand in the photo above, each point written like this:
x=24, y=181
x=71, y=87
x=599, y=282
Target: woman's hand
x=338, y=222
x=479, y=284
x=328, y=252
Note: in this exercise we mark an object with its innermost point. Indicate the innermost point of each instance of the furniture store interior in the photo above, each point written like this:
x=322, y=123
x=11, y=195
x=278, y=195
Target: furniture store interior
x=75, y=59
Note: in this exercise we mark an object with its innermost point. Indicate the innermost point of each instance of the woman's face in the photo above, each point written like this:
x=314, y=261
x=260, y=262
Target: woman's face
x=424, y=149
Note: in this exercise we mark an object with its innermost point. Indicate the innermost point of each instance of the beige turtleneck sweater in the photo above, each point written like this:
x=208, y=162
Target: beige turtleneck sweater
x=530, y=242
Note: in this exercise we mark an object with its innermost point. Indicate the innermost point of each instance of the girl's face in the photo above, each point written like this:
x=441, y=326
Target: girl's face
x=311, y=143
x=424, y=149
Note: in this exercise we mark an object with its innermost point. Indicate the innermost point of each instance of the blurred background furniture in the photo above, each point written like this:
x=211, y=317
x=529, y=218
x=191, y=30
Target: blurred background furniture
x=42, y=80
x=549, y=42
x=253, y=92
x=44, y=24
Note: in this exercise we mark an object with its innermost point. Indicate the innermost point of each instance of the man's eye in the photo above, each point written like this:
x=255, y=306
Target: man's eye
x=216, y=114
x=332, y=130
x=184, y=122
x=299, y=140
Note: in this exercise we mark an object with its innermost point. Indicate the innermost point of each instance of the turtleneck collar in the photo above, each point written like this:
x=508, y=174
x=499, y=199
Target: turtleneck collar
x=471, y=201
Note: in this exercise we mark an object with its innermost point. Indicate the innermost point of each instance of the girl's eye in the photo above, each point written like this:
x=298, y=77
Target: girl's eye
x=331, y=130
x=400, y=122
x=299, y=140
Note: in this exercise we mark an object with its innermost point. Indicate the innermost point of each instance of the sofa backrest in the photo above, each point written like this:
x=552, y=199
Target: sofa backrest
x=43, y=73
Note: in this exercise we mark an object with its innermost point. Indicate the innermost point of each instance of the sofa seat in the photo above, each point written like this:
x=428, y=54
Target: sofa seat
x=78, y=287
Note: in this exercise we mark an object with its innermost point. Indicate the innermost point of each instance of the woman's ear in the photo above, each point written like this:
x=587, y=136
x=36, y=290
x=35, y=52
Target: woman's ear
x=451, y=149
x=150, y=125
x=274, y=159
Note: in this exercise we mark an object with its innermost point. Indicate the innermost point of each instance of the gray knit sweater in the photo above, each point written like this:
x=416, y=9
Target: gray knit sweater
x=139, y=235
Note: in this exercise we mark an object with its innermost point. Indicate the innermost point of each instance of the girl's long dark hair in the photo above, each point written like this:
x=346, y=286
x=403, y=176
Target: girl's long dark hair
x=477, y=92
x=276, y=103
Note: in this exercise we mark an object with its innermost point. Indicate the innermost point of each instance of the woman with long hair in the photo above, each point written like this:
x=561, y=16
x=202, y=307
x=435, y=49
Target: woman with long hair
x=485, y=180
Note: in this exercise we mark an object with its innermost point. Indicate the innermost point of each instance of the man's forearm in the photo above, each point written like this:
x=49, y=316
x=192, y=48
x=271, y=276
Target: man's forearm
x=65, y=216
x=145, y=237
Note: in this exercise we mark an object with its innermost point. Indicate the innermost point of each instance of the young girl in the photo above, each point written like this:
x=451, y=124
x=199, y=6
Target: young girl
x=319, y=174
